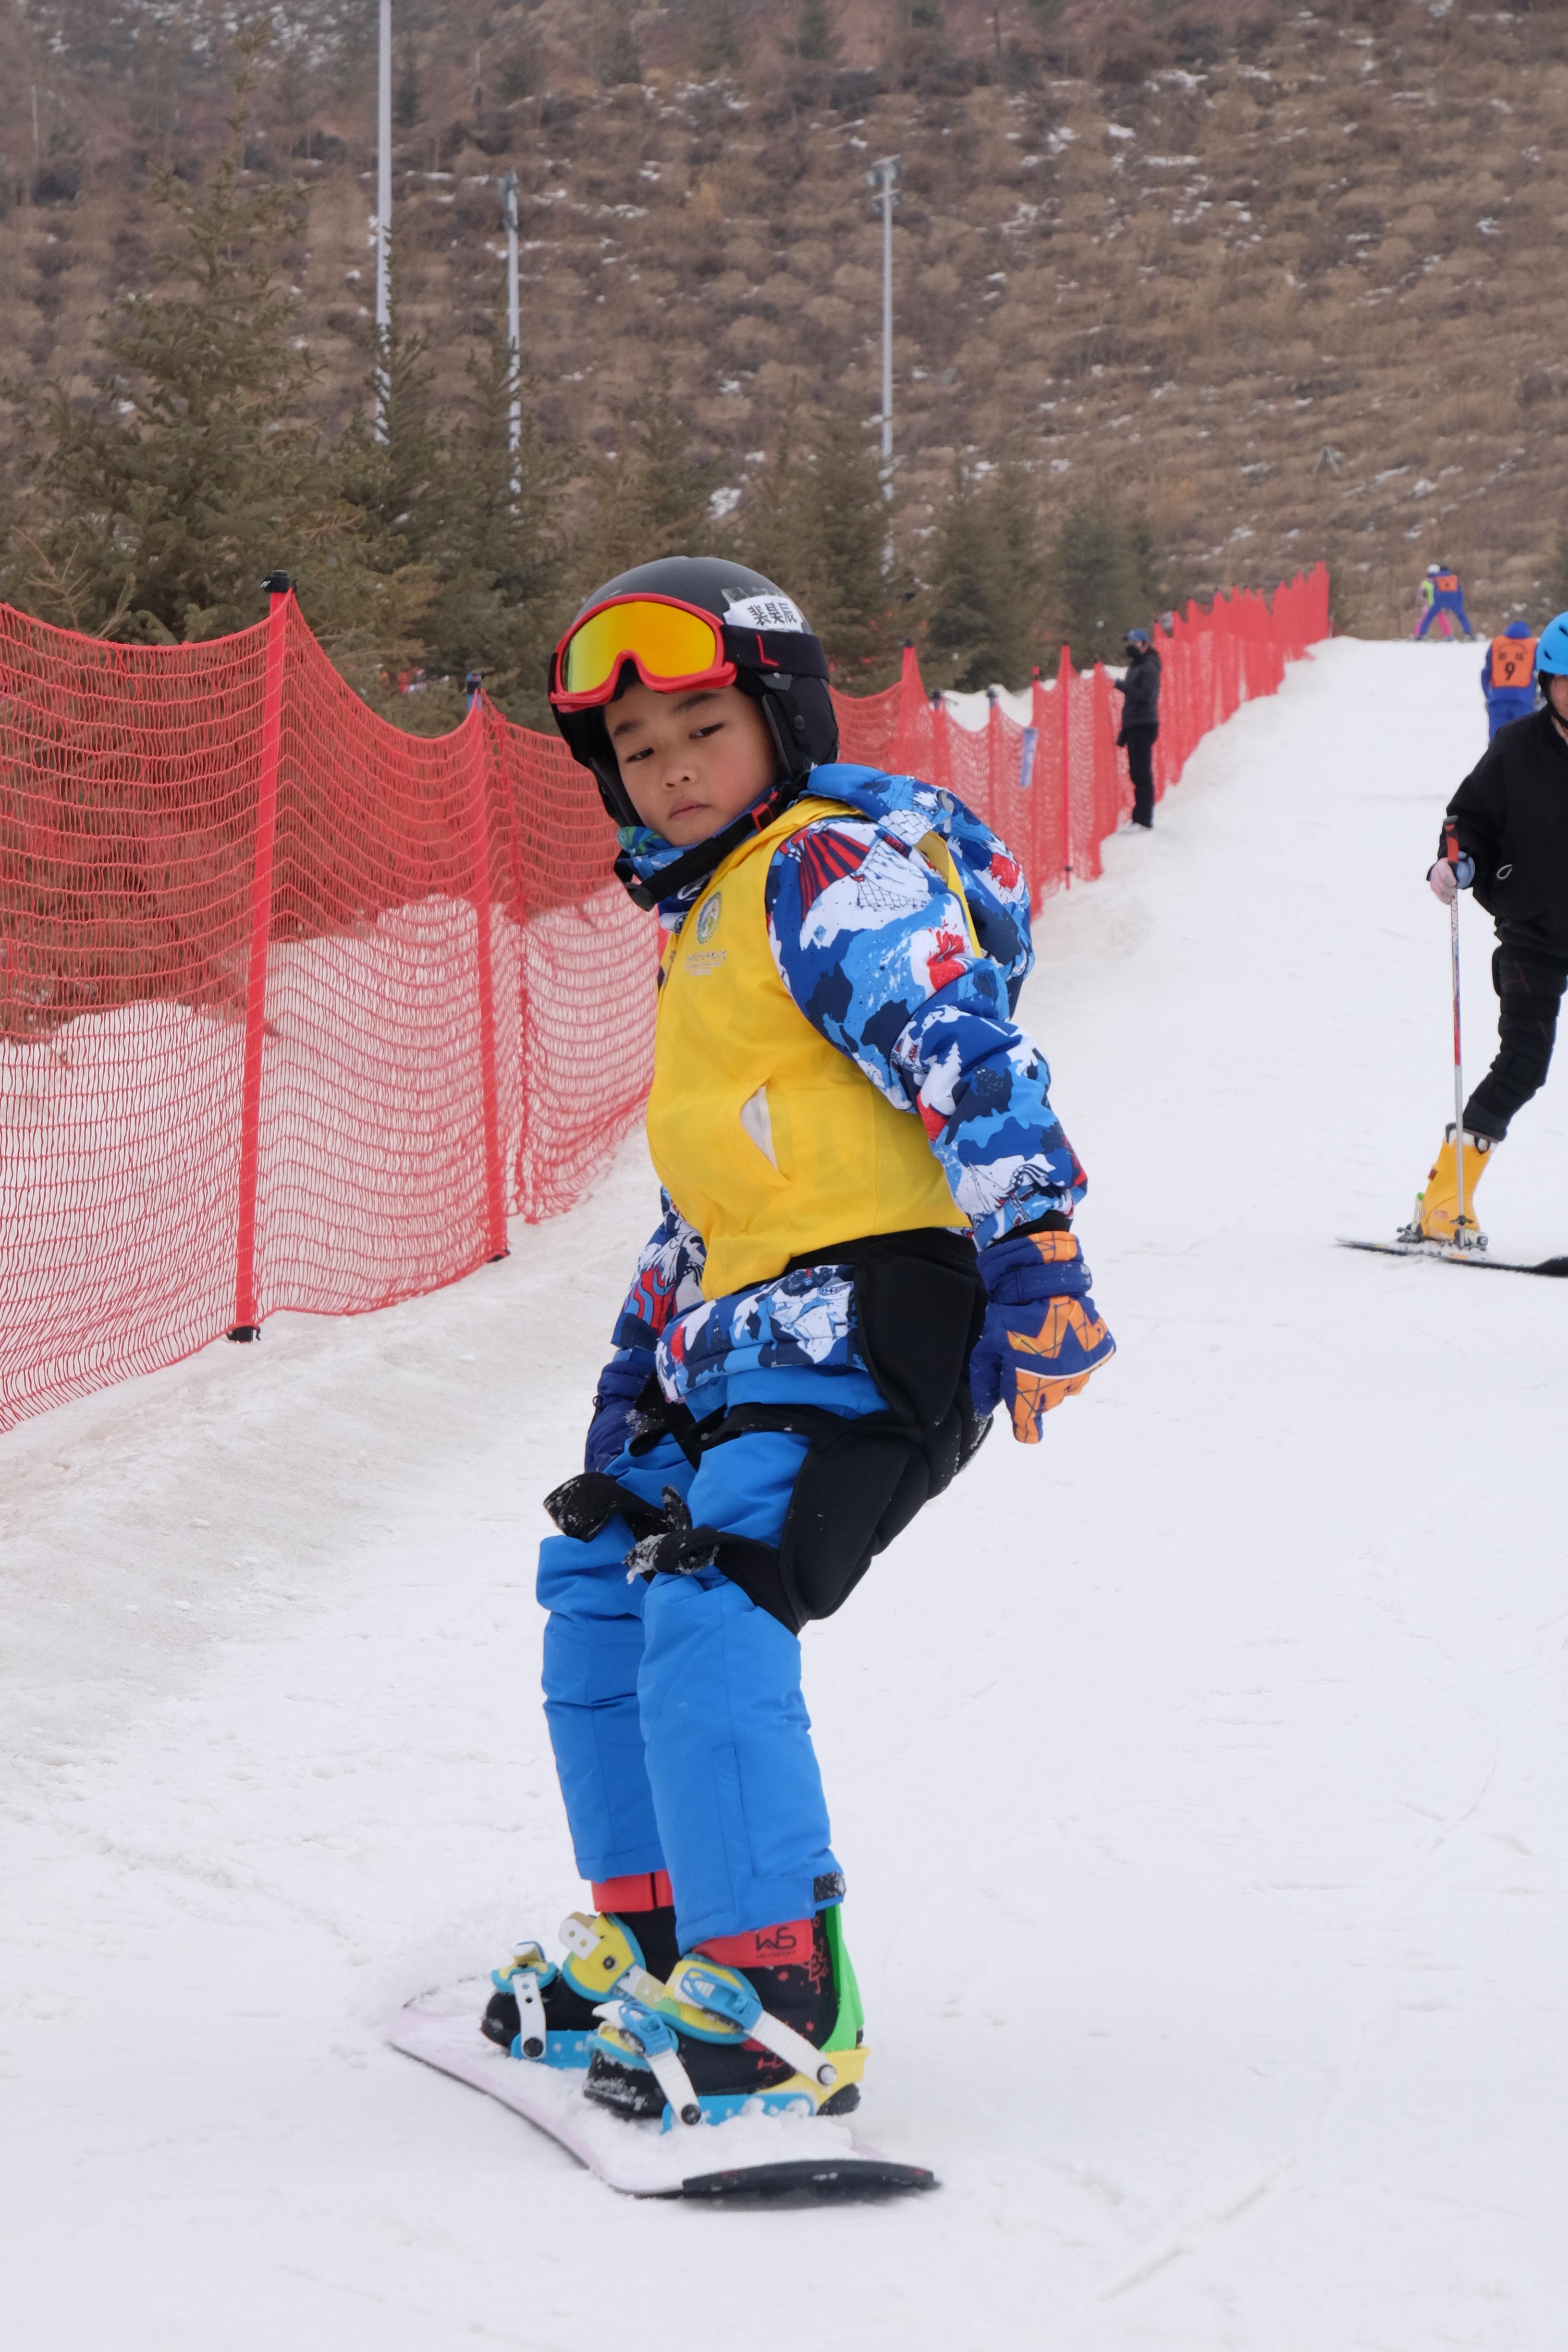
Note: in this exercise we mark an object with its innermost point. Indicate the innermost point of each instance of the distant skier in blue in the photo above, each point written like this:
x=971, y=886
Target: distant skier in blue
x=1448, y=596
x=1508, y=676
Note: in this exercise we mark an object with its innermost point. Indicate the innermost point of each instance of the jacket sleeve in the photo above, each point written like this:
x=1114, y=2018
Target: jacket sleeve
x=1477, y=811
x=873, y=947
x=668, y=1281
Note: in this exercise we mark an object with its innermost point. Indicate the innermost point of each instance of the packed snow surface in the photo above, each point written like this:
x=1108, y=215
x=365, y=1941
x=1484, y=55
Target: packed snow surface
x=1198, y=1774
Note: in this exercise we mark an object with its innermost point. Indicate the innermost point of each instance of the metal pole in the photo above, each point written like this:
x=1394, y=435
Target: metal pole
x=883, y=178
x=384, y=226
x=887, y=333
x=1462, y=1223
x=513, y=335
x=508, y=186
x=490, y=1104
x=246, y=1324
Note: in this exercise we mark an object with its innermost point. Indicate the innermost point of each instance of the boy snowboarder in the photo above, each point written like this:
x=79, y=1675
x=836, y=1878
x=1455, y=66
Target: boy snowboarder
x=1508, y=676
x=1139, y=688
x=865, y=1247
x=1506, y=836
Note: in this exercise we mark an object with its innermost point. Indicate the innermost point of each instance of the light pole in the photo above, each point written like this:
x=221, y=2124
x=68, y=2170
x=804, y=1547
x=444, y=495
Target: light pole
x=384, y=228
x=883, y=178
x=506, y=184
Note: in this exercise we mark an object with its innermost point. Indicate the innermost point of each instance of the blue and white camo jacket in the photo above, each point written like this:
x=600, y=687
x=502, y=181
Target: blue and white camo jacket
x=872, y=944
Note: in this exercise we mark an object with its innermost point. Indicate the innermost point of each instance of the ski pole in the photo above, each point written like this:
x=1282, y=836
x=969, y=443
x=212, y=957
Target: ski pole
x=1461, y=1221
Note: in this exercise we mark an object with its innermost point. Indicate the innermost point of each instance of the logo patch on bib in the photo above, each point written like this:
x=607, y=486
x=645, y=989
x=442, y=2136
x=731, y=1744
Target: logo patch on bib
x=707, y=918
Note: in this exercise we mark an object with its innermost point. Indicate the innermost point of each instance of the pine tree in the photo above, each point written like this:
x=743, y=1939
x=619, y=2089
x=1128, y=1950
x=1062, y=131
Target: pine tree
x=814, y=519
x=1105, y=576
x=504, y=592
x=390, y=464
x=773, y=531
x=716, y=46
x=618, y=58
x=987, y=582
x=389, y=474
x=651, y=498
x=1146, y=572
x=409, y=97
x=518, y=77
x=816, y=39
x=856, y=598
x=154, y=513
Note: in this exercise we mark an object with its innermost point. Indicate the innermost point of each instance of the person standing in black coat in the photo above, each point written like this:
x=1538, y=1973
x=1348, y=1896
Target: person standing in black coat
x=1140, y=692
x=1506, y=836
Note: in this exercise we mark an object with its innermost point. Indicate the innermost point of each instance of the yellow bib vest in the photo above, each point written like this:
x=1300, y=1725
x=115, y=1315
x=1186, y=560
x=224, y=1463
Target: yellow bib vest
x=766, y=1137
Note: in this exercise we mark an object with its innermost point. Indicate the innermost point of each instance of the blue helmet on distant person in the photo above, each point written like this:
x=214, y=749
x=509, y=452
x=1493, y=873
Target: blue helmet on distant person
x=1137, y=637
x=1552, y=653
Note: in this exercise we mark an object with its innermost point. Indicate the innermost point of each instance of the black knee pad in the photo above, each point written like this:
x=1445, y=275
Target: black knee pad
x=920, y=1304
x=861, y=1483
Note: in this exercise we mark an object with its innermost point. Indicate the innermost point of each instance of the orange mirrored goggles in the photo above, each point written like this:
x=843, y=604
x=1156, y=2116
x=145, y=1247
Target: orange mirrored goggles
x=669, y=644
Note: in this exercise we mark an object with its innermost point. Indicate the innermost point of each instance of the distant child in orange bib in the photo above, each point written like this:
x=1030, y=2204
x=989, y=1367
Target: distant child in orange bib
x=1441, y=592
x=1508, y=676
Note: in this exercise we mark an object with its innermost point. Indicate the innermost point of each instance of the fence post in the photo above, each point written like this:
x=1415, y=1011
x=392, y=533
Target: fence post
x=478, y=763
x=904, y=759
x=1064, y=689
x=994, y=816
x=247, y=1322
x=941, y=749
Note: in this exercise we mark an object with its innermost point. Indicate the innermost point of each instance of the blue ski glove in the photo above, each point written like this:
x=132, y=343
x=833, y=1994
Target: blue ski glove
x=621, y=1383
x=1042, y=1335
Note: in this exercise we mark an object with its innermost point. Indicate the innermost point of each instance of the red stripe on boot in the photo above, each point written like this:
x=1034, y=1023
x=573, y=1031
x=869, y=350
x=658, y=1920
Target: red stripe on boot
x=789, y=1945
x=646, y=1890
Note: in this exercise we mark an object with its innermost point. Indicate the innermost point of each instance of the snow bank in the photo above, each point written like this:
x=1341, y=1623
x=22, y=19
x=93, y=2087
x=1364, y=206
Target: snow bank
x=1197, y=1773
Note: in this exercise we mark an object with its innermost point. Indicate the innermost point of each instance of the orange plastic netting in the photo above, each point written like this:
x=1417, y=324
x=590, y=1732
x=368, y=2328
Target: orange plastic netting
x=296, y=1008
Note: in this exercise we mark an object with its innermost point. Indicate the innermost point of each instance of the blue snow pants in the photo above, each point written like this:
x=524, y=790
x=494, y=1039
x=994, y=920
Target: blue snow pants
x=1507, y=702
x=1441, y=604
x=674, y=1704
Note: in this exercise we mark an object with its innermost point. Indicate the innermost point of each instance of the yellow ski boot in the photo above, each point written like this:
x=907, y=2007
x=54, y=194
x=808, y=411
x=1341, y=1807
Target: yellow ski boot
x=1439, y=1215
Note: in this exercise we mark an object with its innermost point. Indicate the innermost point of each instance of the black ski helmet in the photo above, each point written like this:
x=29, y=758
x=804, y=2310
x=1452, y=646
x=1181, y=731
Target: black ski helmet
x=778, y=662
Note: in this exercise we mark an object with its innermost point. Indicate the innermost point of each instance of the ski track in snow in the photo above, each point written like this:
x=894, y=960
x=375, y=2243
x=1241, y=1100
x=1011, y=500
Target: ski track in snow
x=1197, y=1775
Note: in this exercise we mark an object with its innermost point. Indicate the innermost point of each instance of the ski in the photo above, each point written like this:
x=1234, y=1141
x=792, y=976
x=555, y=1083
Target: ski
x=748, y=2155
x=1556, y=1266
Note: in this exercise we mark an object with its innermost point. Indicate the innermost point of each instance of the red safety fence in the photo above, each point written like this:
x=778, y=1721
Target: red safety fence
x=296, y=1008
x=1054, y=788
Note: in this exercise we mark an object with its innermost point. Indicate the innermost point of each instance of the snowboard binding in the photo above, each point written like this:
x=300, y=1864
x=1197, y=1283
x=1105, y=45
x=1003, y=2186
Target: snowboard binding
x=550, y=2015
x=708, y=2048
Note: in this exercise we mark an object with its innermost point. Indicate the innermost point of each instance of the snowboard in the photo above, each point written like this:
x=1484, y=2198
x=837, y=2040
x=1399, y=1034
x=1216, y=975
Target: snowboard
x=1549, y=1266
x=755, y=2155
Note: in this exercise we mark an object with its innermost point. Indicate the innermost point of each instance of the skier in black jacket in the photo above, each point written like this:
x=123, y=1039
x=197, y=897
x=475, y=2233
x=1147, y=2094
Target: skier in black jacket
x=1140, y=692
x=1506, y=835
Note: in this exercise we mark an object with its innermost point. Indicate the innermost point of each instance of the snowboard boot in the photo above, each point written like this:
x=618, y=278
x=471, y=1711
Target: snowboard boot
x=737, y=2025
x=1439, y=1215
x=549, y=2014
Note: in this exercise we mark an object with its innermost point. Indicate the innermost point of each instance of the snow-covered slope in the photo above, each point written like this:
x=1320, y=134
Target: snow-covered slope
x=1198, y=1776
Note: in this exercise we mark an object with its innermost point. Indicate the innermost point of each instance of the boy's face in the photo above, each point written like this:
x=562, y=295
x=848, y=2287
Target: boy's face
x=690, y=762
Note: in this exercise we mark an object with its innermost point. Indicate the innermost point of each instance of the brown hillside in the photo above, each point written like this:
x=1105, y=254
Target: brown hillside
x=1286, y=274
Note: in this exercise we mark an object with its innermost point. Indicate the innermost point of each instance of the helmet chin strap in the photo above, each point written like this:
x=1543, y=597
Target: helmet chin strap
x=705, y=857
